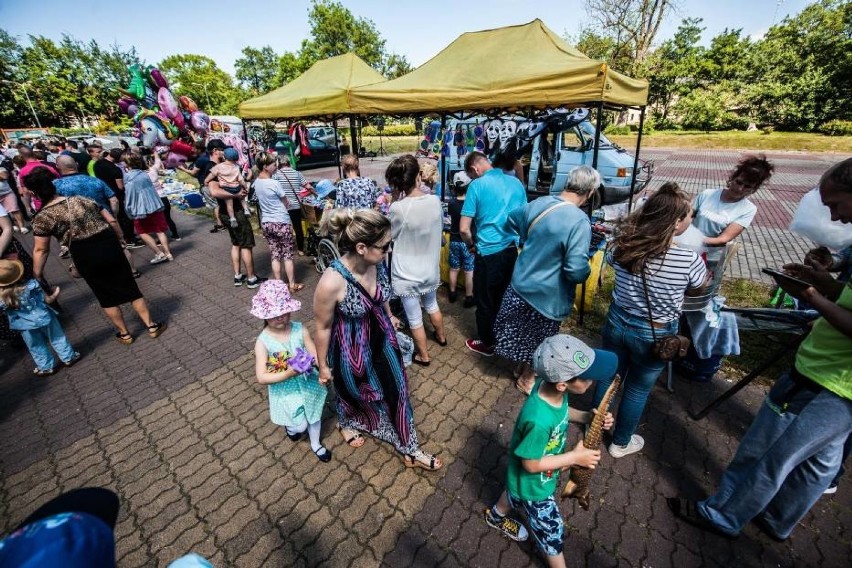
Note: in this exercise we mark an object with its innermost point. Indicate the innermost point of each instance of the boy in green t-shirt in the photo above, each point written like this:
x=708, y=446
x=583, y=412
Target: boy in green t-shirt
x=564, y=365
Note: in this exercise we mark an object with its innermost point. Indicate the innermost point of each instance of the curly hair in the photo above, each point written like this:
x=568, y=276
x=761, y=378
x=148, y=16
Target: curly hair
x=753, y=170
x=648, y=232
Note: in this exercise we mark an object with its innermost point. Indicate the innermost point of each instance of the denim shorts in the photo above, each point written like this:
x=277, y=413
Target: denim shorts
x=543, y=521
x=460, y=256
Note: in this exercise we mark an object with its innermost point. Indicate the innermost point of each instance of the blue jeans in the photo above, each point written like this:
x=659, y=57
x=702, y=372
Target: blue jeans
x=787, y=458
x=630, y=338
x=40, y=339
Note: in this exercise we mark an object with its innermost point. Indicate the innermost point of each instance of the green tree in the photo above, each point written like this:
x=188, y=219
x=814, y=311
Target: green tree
x=198, y=77
x=288, y=67
x=256, y=69
x=675, y=68
x=13, y=111
x=394, y=66
x=603, y=47
x=335, y=31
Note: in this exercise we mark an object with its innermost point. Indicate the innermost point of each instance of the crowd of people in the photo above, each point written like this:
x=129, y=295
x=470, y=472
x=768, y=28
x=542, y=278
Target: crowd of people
x=522, y=263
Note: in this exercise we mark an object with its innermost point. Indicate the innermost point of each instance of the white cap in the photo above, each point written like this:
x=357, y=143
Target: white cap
x=461, y=179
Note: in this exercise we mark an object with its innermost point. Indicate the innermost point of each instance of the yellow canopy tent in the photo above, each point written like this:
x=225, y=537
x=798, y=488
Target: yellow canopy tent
x=516, y=67
x=320, y=92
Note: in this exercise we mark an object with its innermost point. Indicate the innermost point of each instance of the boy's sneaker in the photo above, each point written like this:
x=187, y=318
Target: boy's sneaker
x=255, y=282
x=636, y=444
x=239, y=280
x=233, y=222
x=469, y=301
x=477, y=346
x=511, y=528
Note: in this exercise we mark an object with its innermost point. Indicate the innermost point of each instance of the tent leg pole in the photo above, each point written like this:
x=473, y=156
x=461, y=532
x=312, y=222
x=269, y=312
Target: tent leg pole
x=636, y=159
x=582, y=315
x=443, y=161
x=339, y=169
x=353, y=133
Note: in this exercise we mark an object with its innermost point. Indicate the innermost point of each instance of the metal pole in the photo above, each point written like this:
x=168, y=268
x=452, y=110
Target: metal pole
x=636, y=159
x=32, y=109
x=597, y=136
x=336, y=145
x=353, y=133
x=443, y=161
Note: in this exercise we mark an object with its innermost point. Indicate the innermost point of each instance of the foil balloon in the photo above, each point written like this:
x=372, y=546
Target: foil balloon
x=167, y=102
x=158, y=78
x=181, y=147
x=155, y=132
x=137, y=85
x=200, y=122
x=132, y=110
x=179, y=122
x=174, y=160
x=187, y=104
x=149, y=98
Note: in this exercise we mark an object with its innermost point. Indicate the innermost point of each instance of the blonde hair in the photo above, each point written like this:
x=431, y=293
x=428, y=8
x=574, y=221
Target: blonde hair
x=350, y=163
x=348, y=227
x=429, y=174
x=11, y=294
x=648, y=232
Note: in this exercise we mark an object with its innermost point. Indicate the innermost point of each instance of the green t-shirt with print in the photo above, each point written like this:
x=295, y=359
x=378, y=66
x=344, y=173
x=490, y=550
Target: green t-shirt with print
x=541, y=430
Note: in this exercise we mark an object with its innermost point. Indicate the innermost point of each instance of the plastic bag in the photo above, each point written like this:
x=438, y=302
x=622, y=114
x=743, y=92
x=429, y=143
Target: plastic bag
x=813, y=220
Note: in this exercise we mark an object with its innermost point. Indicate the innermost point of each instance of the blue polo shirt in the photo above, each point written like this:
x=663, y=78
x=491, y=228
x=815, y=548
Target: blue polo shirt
x=490, y=199
x=81, y=185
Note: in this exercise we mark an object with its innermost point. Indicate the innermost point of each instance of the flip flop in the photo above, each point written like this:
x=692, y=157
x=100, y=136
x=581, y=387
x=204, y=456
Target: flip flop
x=687, y=511
x=420, y=362
x=354, y=440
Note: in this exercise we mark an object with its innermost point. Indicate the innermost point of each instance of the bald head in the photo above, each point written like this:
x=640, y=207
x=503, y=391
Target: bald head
x=66, y=165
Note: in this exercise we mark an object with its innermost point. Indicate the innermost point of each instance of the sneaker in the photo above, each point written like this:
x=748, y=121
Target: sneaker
x=135, y=245
x=239, y=280
x=159, y=258
x=478, y=346
x=77, y=356
x=216, y=229
x=511, y=528
x=175, y=238
x=636, y=444
x=255, y=282
x=452, y=296
x=469, y=301
x=832, y=489
x=233, y=222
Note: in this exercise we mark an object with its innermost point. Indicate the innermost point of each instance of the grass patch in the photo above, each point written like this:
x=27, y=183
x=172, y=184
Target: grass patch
x=392, y=144
x=740, y=293
x=739, y=140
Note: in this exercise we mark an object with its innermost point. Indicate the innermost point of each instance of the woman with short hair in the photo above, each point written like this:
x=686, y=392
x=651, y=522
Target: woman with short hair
x=354, y=191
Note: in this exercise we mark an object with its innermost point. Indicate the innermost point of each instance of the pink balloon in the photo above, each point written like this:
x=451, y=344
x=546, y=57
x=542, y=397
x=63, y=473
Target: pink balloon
x=200, y=122
x=167, y=102
x=173, y=160
x=178, y=121
x=132, y=110
x=159, y=79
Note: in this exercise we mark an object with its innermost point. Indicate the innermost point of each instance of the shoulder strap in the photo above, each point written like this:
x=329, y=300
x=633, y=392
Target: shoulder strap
x=293, y=189
x=544, y=214
x=648, y=305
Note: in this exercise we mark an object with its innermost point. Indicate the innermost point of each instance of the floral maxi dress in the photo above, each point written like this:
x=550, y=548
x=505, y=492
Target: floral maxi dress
x=367, y=366
x=295, y=400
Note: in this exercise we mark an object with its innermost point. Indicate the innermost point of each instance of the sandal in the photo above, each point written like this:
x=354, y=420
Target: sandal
x=416, y=460
x=687, y=511
x=43, y=373
x=155, y=329
x=520, y=387
x=124, y=338
x=420, y=362
x=438, y=341
x=354, y=441
x=296, y=287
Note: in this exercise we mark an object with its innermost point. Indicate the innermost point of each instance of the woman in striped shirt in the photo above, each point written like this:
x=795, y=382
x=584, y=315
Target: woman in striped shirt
x=643, y=246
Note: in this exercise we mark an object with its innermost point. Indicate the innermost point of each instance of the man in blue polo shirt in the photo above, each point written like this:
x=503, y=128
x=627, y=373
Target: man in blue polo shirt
x=491, y=196
x=74, y=183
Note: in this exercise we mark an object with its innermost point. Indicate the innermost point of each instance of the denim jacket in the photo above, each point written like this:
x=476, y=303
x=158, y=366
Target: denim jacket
x=32, y=312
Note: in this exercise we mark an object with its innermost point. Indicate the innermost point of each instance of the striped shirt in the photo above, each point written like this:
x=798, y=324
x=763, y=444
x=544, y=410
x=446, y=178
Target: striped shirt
x=290, y=180
x=668, y=278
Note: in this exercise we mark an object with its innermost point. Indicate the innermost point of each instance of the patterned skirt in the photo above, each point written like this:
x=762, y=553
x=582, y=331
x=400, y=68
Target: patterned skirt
x=520, y=328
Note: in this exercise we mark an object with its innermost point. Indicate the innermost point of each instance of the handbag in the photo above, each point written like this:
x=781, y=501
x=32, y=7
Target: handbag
x=72, y=270
x=667, y=347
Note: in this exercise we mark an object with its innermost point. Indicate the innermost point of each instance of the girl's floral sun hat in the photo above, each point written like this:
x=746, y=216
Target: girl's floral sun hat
x=273, y=299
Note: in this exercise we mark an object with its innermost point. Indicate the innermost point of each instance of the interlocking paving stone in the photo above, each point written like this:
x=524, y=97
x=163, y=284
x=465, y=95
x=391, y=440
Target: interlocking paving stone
x=178, y=427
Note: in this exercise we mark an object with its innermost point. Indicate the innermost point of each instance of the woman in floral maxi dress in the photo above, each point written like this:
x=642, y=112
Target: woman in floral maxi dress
x=356, y=341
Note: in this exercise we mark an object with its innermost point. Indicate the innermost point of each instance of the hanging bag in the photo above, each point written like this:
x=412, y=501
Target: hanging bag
x=667, y=347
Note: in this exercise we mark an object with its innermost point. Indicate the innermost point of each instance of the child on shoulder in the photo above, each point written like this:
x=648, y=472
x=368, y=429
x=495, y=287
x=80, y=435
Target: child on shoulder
x=285, y=360
x=26, y=306
x=230, y=178
x=565, y=365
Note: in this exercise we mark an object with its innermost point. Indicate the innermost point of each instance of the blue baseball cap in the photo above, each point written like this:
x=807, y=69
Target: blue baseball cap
x=231, y=154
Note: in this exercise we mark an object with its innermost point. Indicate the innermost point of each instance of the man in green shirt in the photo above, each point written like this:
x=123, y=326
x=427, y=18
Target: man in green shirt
x=793, y=449
x=564, y=365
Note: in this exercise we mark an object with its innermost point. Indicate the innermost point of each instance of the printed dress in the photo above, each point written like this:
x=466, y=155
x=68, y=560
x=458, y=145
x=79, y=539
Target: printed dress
x=295, y=400
x=367, y=366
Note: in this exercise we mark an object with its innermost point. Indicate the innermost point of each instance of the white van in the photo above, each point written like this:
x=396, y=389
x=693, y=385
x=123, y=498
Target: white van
x=548, y=148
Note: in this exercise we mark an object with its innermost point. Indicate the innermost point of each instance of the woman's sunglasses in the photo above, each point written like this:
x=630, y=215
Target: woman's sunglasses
x=384, y=248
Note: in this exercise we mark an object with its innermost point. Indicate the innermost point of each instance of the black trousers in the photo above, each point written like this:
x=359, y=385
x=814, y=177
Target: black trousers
x=167, y=211
x=125, y=222
x=491, y=276
x=95, y=501
x=296, y=218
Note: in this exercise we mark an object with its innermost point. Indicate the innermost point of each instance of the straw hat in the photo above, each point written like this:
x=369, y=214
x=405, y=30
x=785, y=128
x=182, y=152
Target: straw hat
x=273, y=299
x=10, y=272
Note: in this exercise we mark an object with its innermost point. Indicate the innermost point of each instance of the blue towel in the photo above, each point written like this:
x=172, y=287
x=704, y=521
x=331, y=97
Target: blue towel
x=714, y=332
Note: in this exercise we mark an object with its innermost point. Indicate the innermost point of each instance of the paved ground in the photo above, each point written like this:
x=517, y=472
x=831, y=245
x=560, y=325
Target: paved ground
x=180, y=430
x=767, y=243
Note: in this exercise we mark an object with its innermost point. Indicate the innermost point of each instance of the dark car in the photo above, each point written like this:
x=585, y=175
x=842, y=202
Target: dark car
x=321, y=153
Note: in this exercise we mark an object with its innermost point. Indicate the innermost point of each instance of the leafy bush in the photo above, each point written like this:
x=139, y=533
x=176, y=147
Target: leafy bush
x=617, y=130
x=836, y=128
x=391, y=130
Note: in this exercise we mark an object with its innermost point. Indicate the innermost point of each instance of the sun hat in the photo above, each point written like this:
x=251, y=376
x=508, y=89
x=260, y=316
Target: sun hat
x=231, y=154
x=461, y=179
x=324, y=187
x=561, y=358
x=10, y=272
x=273, y=299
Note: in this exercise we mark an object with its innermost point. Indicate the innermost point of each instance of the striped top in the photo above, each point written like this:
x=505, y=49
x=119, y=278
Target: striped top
x=290, y=180
x=668, y=279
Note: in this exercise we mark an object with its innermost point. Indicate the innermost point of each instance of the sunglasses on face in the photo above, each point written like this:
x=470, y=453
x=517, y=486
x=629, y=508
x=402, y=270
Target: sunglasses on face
x=384, y=248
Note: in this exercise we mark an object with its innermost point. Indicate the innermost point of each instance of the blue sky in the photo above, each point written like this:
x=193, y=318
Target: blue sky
x=417, y=30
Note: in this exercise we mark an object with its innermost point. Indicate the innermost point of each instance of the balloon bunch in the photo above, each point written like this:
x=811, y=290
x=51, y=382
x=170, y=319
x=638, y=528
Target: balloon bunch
x=160, y=117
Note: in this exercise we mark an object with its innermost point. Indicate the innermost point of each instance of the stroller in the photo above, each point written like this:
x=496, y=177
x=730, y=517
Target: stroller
x=321, y=248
